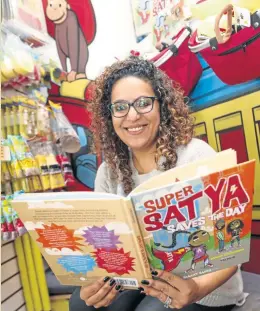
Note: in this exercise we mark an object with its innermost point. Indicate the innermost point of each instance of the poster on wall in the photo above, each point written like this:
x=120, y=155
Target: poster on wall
x=142, y=17
x=163, y=22
x=156, y=17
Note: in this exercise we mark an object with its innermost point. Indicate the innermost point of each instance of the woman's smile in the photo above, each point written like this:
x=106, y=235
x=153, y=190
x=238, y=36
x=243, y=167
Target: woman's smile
x=136, y=129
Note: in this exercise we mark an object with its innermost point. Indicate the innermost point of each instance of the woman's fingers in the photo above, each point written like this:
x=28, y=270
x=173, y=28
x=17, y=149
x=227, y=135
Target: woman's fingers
x=163, y=292
x=154, y=293
x=109, y=298
x=90, y=290
x=101, y=293
x=174, y=280
x=181, y=292
x=155, y=288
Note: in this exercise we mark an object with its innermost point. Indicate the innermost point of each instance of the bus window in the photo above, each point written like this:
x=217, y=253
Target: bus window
x=256, y=115
x=230, y=134
x=201, y=131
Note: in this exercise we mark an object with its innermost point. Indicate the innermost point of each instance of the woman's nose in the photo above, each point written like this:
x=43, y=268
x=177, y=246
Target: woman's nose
x=132, y=114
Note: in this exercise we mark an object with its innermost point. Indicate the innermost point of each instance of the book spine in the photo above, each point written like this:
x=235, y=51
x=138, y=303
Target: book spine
x=138, y=238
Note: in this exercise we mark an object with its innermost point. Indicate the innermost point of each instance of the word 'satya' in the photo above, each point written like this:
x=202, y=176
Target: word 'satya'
x=227, y=190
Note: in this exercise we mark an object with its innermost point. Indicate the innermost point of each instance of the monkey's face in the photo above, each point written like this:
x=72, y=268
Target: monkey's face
x=56, y=10
x=234, y=224
x=199, y=238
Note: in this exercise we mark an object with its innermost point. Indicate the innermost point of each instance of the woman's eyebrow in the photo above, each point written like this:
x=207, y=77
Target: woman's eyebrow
x=131, y=101
x=120, y=100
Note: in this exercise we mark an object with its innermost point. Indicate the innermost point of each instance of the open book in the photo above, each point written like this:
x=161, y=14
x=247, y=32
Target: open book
x=191, y=220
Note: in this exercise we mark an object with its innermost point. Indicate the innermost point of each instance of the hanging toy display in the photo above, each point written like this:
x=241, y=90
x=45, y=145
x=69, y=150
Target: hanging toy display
x=11, y=225
x=64, y=134
x=37, y=134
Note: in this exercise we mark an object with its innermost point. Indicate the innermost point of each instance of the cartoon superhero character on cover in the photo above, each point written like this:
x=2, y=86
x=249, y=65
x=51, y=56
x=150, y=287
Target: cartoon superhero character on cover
x=234, y=228
x=70, y=40
x=220, y=225
x=197, y=241
x=171, y=258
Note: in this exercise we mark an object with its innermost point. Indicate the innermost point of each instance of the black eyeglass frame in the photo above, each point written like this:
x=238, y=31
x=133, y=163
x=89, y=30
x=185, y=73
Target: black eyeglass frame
x=132, y=104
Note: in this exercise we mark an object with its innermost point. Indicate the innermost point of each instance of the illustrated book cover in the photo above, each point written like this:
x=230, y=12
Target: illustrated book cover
x=191, y=220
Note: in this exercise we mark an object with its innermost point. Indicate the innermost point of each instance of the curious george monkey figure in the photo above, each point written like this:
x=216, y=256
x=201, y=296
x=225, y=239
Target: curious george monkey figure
x=70, y=40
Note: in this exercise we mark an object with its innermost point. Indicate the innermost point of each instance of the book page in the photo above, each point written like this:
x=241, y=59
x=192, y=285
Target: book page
x=220, y=161
x=200, y=225
x=84, y=236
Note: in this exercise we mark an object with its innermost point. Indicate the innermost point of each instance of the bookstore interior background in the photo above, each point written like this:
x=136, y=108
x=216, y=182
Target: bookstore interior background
x=47, y=83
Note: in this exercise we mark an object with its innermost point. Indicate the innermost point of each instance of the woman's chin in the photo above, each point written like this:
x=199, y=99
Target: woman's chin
x=136, y=145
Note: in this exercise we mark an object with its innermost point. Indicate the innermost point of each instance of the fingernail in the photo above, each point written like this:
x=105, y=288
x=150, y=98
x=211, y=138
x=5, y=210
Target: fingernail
x=118, y=287
x=112, y=282
x=154, y=273
x=106, y=279
x=145, y=282
x=141, y=289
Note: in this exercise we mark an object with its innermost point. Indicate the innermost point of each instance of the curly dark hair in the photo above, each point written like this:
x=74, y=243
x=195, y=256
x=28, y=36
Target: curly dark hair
x=175, y=129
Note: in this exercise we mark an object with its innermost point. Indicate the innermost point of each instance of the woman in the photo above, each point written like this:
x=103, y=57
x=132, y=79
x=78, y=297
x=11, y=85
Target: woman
x=143, y=127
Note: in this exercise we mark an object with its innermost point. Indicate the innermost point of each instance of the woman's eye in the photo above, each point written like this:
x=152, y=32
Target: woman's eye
x=120, y=107
x=143, y=103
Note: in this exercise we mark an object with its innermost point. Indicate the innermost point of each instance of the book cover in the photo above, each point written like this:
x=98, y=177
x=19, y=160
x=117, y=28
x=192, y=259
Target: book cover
x=84, y=236
x=201, y=225
x=192, y=220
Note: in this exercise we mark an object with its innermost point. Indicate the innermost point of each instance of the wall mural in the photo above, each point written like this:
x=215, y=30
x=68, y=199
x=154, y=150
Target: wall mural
x=72, y=24
x=226, y=116
x=229, y=117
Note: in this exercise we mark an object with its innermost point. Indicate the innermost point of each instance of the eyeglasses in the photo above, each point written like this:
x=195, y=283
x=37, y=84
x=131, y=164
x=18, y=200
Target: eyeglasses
x=142, y=105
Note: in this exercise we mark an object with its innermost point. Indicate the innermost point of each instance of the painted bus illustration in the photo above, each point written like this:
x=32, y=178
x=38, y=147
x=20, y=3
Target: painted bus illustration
x=229, y=117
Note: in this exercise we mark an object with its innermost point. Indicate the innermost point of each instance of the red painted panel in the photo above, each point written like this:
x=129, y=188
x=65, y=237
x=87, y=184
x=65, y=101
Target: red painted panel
x=204, y=138
x=234, y=138
x=253, y=265
x=256, y=228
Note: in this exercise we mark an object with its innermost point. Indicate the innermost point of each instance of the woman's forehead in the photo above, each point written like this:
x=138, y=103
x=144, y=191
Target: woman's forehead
x=130, y=88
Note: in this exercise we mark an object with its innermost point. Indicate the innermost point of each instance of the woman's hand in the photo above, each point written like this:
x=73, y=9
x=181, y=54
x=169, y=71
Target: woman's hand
x=185, y=292
x=100, y=293
x=182, y=292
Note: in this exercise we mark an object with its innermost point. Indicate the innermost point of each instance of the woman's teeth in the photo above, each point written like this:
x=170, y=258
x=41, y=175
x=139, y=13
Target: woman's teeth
x=135, y=129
